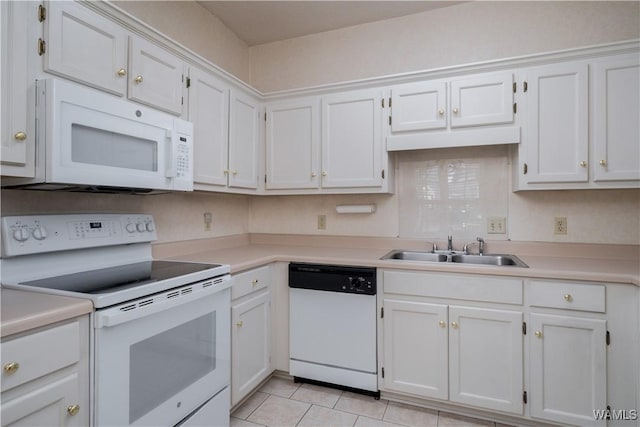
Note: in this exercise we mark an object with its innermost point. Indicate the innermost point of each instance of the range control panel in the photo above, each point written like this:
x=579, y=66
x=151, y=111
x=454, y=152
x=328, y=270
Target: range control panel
x=31, y=234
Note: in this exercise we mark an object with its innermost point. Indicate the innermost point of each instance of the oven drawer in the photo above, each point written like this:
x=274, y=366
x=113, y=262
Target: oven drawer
x=32, y=356
x=249, y=281
x=567, y=295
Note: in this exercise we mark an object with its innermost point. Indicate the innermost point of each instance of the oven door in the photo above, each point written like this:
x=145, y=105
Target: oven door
x=158, y=358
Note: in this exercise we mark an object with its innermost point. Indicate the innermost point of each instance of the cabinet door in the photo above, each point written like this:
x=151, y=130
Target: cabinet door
x=556, y=134
x=250, y=345
x=49, y=405
x=18, y=133
x=482, y=100
x=155, y=76
x=293, y=144
x=209, y=113
x=85, y=47
x=415, y=348
x=243, y=140
x=352, y=139
x=568, y=368
x=485, y=359
x=616, y=108
x=419, y=106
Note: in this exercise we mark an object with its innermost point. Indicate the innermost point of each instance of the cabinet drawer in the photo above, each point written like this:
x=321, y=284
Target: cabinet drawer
x=567, y=295
x=39, y=353
x=473, y=288
x=249, y=281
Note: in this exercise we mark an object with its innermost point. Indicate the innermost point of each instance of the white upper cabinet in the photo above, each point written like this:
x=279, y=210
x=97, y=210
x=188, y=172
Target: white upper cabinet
x=352, y=139
x=556, y=135
x=244, y=140
x=327, y=144
x=293, y=144
x=86, y=47
x=581, y=128
x=616, y=111
x=155, y=76
x=209, y=113
x=482, y=100
x=463, y=111
x=419, y=106
x=17, y=131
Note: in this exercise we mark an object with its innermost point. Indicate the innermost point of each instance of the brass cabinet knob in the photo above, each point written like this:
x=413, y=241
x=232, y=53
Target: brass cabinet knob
x=568, y=297
x=11, y=367
x=454, y=325
x=73, y=409
x=441, y=112
x=324, y=173
x=122, y=72
x=455, y=110
x=254, y=282
x=234, y=172
x=138, y=79
x=313, y=174
x=603, y=163
x=239, y=324
x=583, y=164
x=226, y=171
x=538, y=334
x=442, y=323
x=20, y=136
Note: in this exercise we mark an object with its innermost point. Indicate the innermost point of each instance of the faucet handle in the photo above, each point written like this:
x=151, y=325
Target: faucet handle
x=465, y=248
x=480, y=245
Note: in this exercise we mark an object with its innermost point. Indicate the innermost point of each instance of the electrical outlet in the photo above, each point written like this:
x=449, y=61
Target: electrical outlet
x=560, y=225
x=496, y=225
x=208, y=219
x=322, y=222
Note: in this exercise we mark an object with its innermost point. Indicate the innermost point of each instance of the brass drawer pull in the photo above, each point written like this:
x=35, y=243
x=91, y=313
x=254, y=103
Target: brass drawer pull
x=73, y=409
x=11, y=367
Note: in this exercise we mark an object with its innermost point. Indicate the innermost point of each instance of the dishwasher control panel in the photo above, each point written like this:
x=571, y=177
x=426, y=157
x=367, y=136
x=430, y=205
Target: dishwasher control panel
x=333, y=278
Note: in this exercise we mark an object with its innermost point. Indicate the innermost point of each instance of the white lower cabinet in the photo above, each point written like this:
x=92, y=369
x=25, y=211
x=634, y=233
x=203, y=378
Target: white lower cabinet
x=250, y=332
x=568, y=368
x=51, y=390
x=485, y=358
x=464, y=354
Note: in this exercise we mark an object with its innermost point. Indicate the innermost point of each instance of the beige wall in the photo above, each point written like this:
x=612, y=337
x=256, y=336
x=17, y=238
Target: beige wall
x=193, y=26
x=178, y=216
x=460, y=34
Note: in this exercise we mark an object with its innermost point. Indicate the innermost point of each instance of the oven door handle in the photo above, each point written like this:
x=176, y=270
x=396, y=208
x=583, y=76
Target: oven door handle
x=143, y=307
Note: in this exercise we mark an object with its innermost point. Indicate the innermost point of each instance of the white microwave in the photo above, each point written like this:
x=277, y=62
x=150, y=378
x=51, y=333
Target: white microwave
x=87, y=140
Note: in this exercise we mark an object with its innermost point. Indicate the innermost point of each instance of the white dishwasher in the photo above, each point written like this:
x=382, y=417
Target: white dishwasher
x=332, y=332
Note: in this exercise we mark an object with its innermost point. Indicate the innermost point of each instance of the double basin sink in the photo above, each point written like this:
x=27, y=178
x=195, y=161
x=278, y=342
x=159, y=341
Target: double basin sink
x=455, y=257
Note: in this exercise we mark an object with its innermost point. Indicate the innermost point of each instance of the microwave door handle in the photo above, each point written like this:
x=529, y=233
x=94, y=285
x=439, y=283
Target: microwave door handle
x=170, y=169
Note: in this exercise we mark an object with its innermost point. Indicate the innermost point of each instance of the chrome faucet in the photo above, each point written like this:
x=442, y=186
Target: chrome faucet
x=450, y=243
x=480, y=240
x=434, y=247
x=480, y=245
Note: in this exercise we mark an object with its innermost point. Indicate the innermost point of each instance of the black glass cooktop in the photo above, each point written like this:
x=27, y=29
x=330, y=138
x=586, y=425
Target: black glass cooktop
x=114, y=279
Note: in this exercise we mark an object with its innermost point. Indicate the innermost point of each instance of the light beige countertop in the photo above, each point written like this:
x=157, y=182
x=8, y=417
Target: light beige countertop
x=24, y=310
x=599, y=263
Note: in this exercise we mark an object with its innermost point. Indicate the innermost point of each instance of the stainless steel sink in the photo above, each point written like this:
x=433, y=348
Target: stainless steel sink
x=416, y=256
x=499, y=260
x=489, y=259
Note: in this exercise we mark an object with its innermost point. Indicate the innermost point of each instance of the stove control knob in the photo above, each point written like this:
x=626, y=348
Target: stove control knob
x=131, y=228
x=140, y=227
x=40, y=233
x=149, y=227
x=21, y=234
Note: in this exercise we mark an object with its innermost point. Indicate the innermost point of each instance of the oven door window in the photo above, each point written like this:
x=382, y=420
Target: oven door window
x=164, y=364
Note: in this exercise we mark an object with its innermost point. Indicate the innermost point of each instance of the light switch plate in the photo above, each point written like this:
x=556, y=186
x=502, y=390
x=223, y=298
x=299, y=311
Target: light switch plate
x=496, y=225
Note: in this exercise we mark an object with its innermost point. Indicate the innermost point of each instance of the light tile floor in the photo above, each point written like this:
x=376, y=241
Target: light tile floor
x=281, y=402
